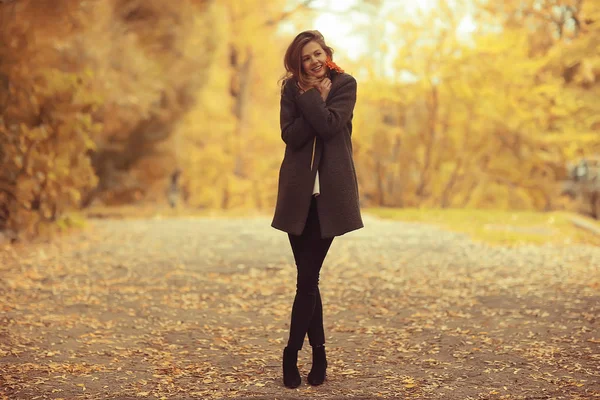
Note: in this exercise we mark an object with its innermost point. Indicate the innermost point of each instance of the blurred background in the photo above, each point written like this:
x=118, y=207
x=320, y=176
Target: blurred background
x=462, y=104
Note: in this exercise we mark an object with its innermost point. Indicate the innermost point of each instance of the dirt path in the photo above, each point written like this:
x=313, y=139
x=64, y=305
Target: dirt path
x=199, y=308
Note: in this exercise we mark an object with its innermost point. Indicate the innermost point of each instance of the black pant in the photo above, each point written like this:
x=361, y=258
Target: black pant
x=307, y=312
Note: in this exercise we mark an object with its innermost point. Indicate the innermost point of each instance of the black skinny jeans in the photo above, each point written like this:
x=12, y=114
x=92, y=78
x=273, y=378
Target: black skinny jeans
x=307, y=312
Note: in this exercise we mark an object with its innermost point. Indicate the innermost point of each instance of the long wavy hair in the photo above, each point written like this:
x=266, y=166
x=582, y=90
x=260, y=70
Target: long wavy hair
x=293, y=55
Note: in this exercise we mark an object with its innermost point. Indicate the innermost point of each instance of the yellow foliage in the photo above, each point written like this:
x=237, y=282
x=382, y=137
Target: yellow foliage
x=45, y=167
x=485, y=122
x=133, y=90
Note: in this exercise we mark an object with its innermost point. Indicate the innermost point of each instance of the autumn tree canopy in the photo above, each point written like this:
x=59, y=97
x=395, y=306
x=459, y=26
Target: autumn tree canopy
x=103, y=101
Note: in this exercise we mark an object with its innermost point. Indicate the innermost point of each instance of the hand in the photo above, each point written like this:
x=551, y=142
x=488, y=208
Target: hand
x=324, y=87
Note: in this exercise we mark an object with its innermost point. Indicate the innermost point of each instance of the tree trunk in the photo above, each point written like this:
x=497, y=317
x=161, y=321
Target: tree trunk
x=445, y=199
x=433, y=109
x=380, y=184
x=240, y=90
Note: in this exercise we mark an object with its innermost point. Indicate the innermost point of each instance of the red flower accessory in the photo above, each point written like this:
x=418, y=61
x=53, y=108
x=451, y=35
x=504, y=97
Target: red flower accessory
x=333, y=66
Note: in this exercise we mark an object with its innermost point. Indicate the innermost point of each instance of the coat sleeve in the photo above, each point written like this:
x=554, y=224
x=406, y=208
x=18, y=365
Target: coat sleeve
x=329, y=118
x=295, y=131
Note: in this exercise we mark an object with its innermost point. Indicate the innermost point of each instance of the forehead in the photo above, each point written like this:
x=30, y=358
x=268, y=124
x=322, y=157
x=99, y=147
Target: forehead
x=310, y=48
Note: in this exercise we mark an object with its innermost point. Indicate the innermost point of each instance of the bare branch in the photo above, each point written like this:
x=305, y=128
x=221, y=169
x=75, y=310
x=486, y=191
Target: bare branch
x=285, y=15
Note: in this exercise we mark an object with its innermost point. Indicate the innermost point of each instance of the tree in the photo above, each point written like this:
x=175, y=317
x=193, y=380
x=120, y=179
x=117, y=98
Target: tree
x=101, y=79
x=478, y=120
x=47, y=124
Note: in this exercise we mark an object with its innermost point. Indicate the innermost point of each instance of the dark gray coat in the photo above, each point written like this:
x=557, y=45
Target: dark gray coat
x=302, y=117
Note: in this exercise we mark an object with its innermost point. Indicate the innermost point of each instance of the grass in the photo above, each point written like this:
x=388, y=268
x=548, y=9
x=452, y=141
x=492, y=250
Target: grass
x=163, y=211
x=502, y=227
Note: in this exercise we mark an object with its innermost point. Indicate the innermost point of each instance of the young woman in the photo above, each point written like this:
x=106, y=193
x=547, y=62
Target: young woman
x=318, y=192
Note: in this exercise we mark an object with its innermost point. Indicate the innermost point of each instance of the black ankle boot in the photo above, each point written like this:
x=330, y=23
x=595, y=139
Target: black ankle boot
x=291, y=375
x=316, y=376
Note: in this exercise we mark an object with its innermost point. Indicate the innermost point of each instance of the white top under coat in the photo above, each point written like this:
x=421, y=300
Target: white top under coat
x=317, y=186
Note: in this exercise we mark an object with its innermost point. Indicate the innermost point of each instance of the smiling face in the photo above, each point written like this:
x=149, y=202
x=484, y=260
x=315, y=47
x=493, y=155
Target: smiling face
x=313, y=60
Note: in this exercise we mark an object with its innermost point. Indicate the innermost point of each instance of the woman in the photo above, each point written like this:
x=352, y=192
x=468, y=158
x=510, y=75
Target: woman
x=318, y=192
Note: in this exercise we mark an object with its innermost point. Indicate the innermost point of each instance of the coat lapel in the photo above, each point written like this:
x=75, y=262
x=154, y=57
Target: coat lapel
x=335, y=84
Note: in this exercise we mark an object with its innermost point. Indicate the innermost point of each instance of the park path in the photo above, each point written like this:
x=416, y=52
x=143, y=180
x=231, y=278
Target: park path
x=198, y=308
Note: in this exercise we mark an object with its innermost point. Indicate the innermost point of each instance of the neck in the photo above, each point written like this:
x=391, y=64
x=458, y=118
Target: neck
x=318, y=79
